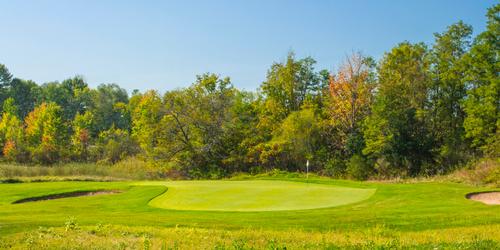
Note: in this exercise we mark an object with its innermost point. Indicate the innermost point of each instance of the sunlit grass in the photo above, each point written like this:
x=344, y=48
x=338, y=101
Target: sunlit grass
x=256, y=195
x=102, y=236
x=408, y=215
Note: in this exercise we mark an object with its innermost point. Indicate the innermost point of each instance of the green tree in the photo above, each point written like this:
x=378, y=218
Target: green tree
x=5, y=76
x=146, y=118
x=288, y=85
x=196, y=126
x=396, y=131
x=298, y=135
x=5, y=79
x=24, y=94
x=72, y=95
x=482, y=105
x=109, y=105
x=241, y=133
x=446, y=93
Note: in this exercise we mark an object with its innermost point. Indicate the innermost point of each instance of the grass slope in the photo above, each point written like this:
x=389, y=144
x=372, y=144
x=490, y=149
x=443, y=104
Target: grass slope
x=257, y=195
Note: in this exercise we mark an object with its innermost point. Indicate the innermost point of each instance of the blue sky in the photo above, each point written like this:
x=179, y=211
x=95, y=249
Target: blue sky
x=164, y=44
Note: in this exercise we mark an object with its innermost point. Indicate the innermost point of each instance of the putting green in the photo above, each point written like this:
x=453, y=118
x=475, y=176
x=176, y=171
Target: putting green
x=259, y=195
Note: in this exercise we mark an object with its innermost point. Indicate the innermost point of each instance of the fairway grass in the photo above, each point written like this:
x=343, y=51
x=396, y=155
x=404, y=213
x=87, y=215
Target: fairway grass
x=388, y=215
x=258, y=195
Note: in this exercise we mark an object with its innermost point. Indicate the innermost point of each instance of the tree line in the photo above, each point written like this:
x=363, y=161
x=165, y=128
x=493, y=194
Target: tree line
x=420, y=110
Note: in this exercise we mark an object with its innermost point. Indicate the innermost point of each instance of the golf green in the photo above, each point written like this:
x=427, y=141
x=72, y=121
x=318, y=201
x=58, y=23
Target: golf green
x=256, y=195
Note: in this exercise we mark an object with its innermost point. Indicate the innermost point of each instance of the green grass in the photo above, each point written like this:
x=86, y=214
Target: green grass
x=259, y=195
x=104, y=236
x=413, y=213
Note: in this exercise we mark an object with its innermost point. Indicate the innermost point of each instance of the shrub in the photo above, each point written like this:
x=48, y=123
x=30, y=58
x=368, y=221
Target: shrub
x=358, y=168
x=335, y=168
x=114, y=145
x=485, y=171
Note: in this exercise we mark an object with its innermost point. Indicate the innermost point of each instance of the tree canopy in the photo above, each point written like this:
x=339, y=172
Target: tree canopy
x=422, y=109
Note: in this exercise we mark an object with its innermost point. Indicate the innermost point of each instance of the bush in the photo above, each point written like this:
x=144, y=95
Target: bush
x=46, y=155
x=358, y=168
x=484, y=171
x=113, y=146
x=335, y=168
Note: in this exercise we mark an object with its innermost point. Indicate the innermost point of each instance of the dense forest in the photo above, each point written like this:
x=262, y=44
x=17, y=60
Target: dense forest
x=422, y=109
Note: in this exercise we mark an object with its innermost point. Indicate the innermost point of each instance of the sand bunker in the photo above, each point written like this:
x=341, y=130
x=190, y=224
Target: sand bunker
x=490, y=198
x=66, y=195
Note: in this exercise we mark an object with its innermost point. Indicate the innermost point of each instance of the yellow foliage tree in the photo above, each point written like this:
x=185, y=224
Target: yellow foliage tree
x=11, y=131
x=45, y=133
x=80, y=139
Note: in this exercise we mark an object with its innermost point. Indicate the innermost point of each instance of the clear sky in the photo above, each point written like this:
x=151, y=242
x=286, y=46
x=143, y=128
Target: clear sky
x=164, y=44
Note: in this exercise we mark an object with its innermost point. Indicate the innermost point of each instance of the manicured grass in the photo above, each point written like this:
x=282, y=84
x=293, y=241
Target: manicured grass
x=259, y=195
x=425, y=211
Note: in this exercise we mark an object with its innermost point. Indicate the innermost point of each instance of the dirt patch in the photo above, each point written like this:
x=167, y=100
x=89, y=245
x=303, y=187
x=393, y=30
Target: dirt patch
x=490, y=198
x=66, y=195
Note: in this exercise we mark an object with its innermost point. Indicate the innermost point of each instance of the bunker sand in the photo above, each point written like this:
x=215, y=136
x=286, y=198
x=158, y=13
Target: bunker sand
x=489, y=198
x=66, y=195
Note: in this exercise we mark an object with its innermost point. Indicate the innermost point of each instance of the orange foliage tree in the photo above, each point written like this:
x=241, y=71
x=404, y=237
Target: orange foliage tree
x=351, y=95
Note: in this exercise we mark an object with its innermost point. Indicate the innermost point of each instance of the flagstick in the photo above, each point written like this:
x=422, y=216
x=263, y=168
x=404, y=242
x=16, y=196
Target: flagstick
x=307, y=169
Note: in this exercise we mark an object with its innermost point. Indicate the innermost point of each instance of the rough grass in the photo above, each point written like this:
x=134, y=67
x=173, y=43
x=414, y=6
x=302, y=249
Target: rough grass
x=72, y=236
x=73, y=169
x=128, y=169
x=485, y=171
